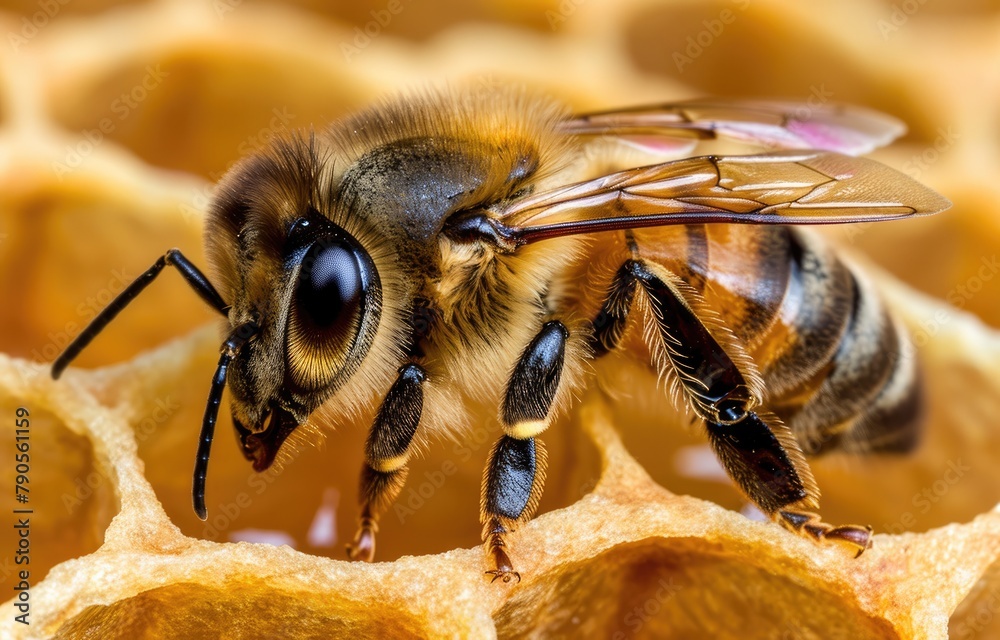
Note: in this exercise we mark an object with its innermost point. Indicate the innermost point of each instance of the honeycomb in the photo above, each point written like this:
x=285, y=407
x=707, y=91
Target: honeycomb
x=116, y=119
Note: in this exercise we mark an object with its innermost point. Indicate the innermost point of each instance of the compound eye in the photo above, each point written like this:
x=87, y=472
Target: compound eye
x=335, y=310
x=330, y=289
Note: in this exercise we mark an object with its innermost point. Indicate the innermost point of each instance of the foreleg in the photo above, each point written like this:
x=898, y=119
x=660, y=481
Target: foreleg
x=387, y=451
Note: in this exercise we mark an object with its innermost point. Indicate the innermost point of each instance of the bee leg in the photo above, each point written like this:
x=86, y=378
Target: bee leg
x=810, y=524
x=758, y=451
x=386, y=452
x=173, y=258
x=515, y=473
x=766, y=471
x=611, y=320
x=512, y=487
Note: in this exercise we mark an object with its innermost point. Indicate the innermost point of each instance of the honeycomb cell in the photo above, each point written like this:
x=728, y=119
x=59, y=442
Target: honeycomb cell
x=201, y=106
x=243, y=610
x=742, y=49
x=655, y=589
x=309, y=498
x=962, y=241
x=978, y=615
x=71, y=496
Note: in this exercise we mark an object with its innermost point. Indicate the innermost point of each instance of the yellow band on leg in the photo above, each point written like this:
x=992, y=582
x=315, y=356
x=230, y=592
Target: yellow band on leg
x=389, y=464
x=528, y=429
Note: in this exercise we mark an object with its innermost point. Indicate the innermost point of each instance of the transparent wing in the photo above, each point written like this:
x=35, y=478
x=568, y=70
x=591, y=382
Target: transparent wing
x=806, y=187
x=783, y=125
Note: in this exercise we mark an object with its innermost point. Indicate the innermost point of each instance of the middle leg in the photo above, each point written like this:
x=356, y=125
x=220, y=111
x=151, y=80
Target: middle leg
x=515, y=473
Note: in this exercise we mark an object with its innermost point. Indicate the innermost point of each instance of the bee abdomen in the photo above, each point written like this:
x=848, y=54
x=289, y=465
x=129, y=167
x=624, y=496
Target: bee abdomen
x=892, y=423
x=815, y=315
x=866, y=391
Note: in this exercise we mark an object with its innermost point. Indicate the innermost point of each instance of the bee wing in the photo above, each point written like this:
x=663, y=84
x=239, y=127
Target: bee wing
x=805, y=187
x=783, y=125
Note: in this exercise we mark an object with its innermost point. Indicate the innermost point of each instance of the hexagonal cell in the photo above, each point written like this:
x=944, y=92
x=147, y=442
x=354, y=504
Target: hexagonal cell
x=978, y=615
x=203, y=105
x=199, y=118
x=678, y=589
x=950, y=477
x=245, y=609
x=962, y=242
x=742, y=49
x=72, y=498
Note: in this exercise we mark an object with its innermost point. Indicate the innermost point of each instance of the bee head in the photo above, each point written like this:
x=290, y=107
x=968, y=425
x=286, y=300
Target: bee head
x=322, y=316
x=307, y=276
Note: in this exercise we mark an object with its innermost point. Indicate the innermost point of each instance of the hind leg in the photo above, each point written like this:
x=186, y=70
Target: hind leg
x=757, y=450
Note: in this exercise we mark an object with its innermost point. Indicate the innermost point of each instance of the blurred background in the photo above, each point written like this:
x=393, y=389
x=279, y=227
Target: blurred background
x=168, y=94
x=116, y=118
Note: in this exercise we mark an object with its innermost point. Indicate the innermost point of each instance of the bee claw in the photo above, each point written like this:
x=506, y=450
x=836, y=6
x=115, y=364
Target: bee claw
x=503, y=574
x=363, y=547
x=502, y=563
x=810, y=525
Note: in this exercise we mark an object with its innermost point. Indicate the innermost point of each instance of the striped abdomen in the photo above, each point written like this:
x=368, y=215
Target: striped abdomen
x=836, y=366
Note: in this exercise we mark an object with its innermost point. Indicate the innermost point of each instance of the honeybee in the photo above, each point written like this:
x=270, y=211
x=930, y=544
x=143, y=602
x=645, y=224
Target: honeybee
x=459, y=257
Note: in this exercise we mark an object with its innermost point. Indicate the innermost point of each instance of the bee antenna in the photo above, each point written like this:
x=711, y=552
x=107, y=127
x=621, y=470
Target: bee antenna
x=173, y=258
x=240, y=336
